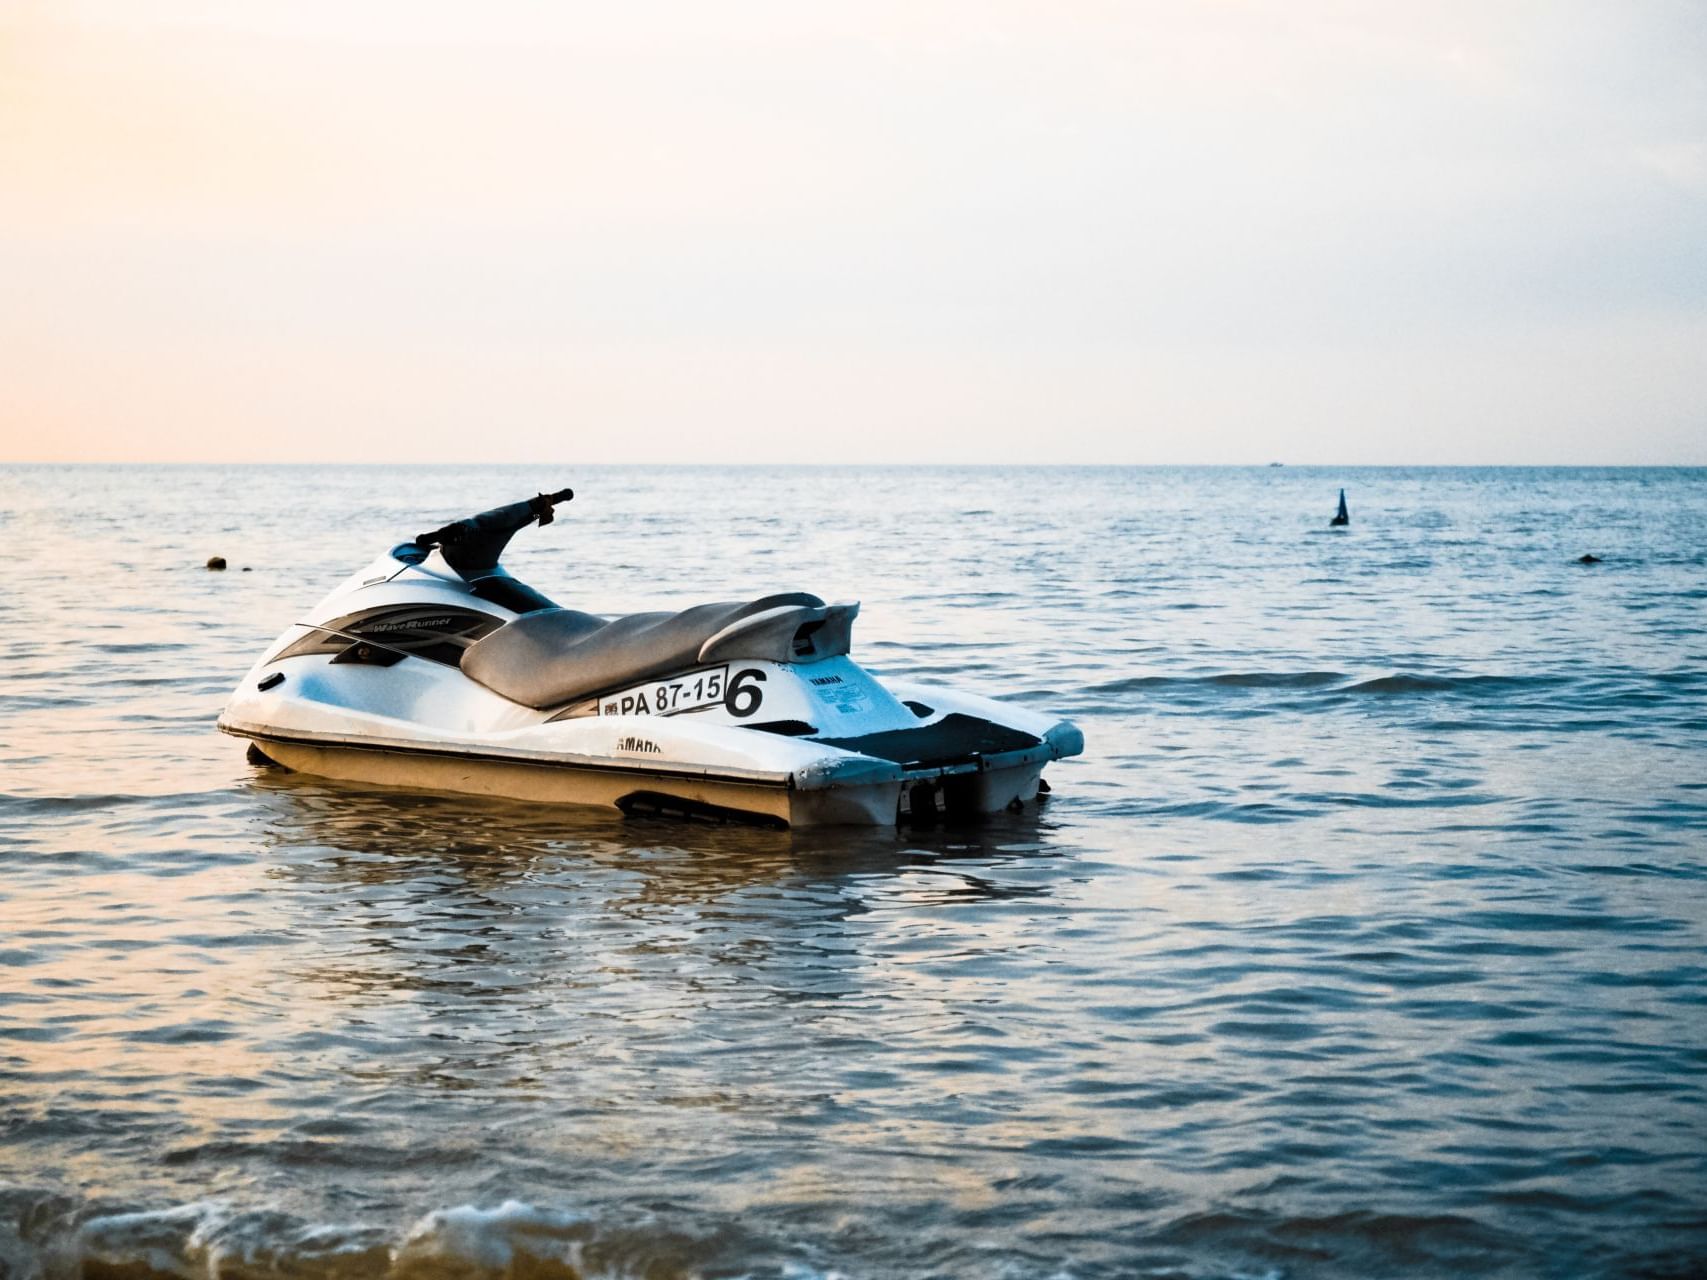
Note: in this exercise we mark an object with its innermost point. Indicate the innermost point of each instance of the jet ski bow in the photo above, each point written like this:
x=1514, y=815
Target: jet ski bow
x=434, y=668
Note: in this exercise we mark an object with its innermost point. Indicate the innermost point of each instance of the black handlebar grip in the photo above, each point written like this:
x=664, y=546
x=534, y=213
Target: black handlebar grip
x=543, y=503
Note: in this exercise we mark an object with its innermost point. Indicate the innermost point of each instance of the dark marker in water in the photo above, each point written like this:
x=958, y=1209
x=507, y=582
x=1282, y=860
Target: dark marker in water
x=1341, y=517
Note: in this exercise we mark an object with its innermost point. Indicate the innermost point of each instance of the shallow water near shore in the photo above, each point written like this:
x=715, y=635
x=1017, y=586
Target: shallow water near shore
x=1369, y=936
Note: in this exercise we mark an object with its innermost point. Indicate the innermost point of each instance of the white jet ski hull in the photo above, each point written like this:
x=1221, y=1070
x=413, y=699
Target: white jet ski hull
x=637, y=791
x=318, y=721
x=421, y=672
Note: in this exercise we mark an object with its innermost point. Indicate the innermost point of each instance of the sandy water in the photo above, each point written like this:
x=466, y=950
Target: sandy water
x=1367, y=938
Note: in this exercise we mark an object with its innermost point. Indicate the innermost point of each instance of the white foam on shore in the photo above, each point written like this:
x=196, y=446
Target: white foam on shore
x=167, y=1241
x=217, y=1240
x=467, y=1238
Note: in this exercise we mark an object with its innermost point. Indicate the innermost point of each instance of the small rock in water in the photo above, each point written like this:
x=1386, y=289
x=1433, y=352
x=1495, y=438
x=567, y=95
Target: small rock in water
x=1590, y=558
x=216, y=562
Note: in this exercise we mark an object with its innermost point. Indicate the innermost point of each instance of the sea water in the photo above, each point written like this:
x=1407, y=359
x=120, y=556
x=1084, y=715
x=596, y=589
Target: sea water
x=1367, y=938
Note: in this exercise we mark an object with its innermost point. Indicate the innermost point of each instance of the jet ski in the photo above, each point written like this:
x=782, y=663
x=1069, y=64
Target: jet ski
x=434, y=668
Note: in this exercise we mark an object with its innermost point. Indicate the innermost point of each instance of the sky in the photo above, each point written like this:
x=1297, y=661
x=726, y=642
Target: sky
x=681, y=232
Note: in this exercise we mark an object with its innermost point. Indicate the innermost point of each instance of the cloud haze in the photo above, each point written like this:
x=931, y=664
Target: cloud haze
x=1213, y=232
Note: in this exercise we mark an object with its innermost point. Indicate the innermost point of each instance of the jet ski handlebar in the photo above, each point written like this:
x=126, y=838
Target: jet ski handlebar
x=475, y=543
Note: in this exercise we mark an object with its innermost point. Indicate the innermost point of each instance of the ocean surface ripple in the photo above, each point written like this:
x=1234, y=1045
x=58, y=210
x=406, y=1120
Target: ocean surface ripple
x=1368, y=938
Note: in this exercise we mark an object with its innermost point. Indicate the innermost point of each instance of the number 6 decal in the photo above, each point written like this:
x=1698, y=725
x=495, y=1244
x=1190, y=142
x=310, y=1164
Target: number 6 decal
x=744, y=695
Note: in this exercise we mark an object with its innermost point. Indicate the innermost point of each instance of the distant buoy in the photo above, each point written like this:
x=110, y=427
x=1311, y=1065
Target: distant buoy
x=1342, y=516
x=216, y=562
x=1591, y=558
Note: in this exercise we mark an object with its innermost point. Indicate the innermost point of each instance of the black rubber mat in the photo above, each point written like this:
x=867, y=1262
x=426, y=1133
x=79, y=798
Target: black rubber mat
x=951, y=740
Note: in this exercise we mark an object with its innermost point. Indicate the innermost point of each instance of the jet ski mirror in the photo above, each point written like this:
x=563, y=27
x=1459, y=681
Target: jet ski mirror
x=472, y=546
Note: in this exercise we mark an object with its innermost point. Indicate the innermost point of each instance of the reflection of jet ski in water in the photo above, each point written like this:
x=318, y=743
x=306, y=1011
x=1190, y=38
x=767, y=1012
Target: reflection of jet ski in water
x=434, y=668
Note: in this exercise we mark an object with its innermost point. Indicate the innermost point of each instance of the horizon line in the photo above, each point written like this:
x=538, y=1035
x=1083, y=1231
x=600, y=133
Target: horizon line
x=876, y=466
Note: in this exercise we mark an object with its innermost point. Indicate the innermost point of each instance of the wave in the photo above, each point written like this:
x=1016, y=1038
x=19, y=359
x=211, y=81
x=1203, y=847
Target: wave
x=1409, y=684
x=57, y=1239
x=14, y=804
x=1336, y=682
x=1224, y=680
x=54, y=1238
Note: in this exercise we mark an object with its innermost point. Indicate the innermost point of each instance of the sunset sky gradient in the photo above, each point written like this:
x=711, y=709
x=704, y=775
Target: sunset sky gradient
x=747, y=232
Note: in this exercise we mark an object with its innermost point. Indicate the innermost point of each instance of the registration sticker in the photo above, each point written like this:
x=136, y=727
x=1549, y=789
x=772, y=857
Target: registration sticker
x=843, y=696
x=691, y=692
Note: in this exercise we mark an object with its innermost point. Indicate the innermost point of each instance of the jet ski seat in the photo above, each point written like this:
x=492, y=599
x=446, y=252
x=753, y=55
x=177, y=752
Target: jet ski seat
x=551, y=657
